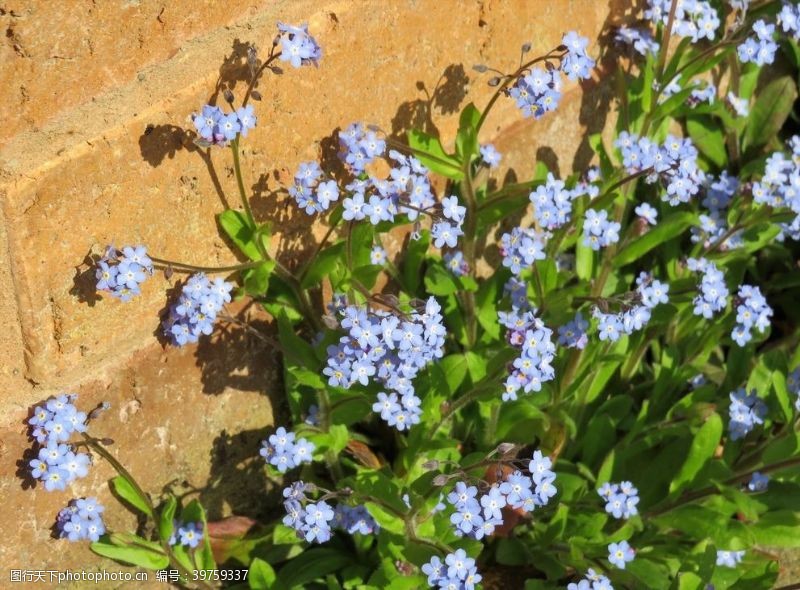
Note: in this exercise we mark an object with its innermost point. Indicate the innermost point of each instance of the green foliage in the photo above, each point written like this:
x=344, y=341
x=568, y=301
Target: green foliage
x=617, y=409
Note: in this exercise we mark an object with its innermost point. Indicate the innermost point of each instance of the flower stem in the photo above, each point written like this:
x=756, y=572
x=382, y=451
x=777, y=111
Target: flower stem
x=181, y=267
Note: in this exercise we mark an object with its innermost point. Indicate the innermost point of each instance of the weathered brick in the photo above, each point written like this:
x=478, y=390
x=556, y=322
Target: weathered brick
x=96, y=156
x=58, y=55
x=127, y=175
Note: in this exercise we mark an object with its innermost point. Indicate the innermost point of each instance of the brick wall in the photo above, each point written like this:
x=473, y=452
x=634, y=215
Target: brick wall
x=92, y=152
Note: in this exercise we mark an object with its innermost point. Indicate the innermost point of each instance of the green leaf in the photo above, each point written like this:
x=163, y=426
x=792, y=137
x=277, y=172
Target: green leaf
x=476, y=365
x=455, y=370
x=413, y=261
x=132, y=554
x=386, y=519
x=428, y=150
x=165, y=520
x=467, y=136
x=770, y=112
x=128, y=492
x=702, y=450
x=256, y=280
x=310, y=565
x=240, y=232
x=708, y=137
x=260, y=575
x=322, y=265
x=669, y=228
x=439, y=281
x=584, y=260
x=295, y=350
x=596, y=143
x=778, y=529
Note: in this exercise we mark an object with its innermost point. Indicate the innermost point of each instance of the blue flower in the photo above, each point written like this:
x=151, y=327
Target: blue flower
x=598, y=232
x=746, y=411
x=761, y=49
x=195, y=311
x=576, y=64
x=284, y=451
x=758, y=482
x=696, y=19
x=490, y=155
x=647, y=212
x=620, y=554
x=729, y=558
x=641, y=40
x=456, y=263
x=247, y=118
x=206, y=122
x=752, y=312
x=191, y=534
x=297, y=46
x=122, y=273
x=621, y=499
x=573, y=333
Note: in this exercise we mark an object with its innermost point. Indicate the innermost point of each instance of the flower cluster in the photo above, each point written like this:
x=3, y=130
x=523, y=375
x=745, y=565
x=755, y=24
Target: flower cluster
x=354, y=519
x=641, y=40
x=552, y=203
x=309, y=192
x=52, y=425
x=621, y=499
x=598, y=231
x=761, y=48
x=573, y=333
x=592, y=581
x=780, y=187
x=520, y=249
x=539, y=90
x=651, y=292
x=216, y=127
x=752, y=311
x=576, y=64
x=674, y=163
x=406, y=191
x=620, y=553
x=537, y=93
x=389, y=349
x=746, y=410
x=187, y=534
x=696, y=19
x=729, y=558
x=81, y=520
x=713, y=294
x=359, y=147
x=789, y=19
x=534, y=365
x=477, y=518
x=196, y=309
x=445, y=232
x=122, y=273
x=284, y=451
x=312, y=521
x=714, y=226
x=297, y=46
x=458, y=572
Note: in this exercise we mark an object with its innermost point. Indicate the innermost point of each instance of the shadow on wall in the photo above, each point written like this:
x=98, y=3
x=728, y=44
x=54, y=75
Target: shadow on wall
x=596, y=98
